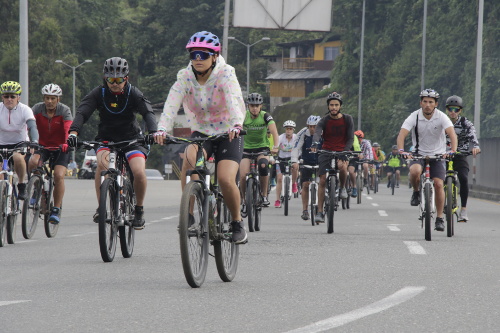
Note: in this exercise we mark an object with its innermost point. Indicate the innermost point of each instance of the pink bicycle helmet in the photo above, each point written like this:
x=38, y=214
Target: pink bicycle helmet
x=204, y=39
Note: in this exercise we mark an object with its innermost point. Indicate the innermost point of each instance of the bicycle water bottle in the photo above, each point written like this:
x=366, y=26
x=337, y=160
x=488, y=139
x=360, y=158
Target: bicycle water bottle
x=46, y=184
x=214, y=204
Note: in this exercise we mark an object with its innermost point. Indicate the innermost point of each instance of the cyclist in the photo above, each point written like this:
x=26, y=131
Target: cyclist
x=256, y=124
x=118, y=102
x=53, y=120
x=466, y=135
x=285, y=146
x=365, y=147
x=429, y=127
x=302, y=148
x=16, y=121
x=337, y=131
x=394, y=160
x=353, y=167
x=211, y=95
x=379, y=156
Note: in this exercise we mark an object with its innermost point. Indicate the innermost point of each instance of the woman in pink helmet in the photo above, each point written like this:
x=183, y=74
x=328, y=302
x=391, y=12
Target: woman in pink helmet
x=211, y=96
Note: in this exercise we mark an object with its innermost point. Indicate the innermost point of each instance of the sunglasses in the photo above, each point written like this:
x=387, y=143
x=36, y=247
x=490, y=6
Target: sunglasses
x=454, y=109
x=117, y=80
x=200, y=55
x=9, y=96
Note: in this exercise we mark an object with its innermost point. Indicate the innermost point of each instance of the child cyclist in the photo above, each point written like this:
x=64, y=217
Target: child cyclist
x=211, y=96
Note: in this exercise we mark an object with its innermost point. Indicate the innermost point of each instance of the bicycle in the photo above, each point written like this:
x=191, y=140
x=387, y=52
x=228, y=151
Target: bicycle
x=312, y=202
x=116, y=201
x=40, y=200
x=332, y=190
x=374, y=173
x=451, y=203
x=392, y=180
x=204, y=218
x=9, y=200
x=361, y=182
x=253, y=195
x=427, y=206
x=286, y=183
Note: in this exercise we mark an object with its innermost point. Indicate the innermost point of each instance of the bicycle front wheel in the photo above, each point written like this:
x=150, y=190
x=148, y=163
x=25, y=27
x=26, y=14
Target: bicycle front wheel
x=427, y=212
x=47, y=204
x=359, y=185
x=127, y=231
x=448, y=205
x=31, y=207
x=312, y=198
x=12, y=219
x=225, y=251
x=286, y=194
x=257, y=206
x=332, y=204
x=193, y=235
x=3, y=212
x=249, y=200
x=108, y=212
x=393, y=182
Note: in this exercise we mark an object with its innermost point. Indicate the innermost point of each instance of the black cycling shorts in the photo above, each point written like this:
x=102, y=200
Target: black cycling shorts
x=224, y=150
x=60, y=157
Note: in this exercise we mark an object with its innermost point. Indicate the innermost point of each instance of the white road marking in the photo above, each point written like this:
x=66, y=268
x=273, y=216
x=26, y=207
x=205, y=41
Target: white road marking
x=2, y=303
x=375, y=204
x=170, y=217
x=84, y=234
x=415, y=247
x=369, y=198
x=27, y=241
x=393, y=228
x=382, y=213
x=397, y=298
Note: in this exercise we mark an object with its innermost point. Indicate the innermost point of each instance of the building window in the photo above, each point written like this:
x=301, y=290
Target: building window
x=331, y=53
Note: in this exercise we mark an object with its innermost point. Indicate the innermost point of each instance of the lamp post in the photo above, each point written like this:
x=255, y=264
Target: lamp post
x=248, y=46
x=74, y=83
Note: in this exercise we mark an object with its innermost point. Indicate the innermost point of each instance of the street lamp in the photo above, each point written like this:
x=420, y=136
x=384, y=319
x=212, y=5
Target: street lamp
x=248, y=57
x=74, y=83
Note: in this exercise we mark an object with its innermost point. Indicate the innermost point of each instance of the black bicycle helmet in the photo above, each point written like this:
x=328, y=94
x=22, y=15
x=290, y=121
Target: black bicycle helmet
x=454, y=101
x=255, y=99
x=334, y=95
x=115, y=67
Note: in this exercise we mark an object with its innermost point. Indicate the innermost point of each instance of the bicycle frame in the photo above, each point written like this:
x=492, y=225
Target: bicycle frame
x=312, y=201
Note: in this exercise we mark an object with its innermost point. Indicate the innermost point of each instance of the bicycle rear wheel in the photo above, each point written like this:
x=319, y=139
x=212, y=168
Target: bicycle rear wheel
x=3, y=213
x=393, y=181
x=12, y=218
x=47, y=204
x=249, y=201
x=31, y=207
x=193, y=234
x=375, y=187
x=257, y=206
x=225, y=251
x=332, y=203
x=285, y=195
x=126, y=232
x=312, y=198
x=107, y=217
x=448, y=205
x=427, y=212
x=359, y=185
x=368, y=182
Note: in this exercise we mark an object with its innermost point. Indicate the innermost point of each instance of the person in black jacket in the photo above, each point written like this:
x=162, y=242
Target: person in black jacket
x=118, y=102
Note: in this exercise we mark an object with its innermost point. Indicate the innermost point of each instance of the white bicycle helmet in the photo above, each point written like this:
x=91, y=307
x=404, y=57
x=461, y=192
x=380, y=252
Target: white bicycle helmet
x=52, y=89
x=289, y=123
x=313, y=120
x=429, y=93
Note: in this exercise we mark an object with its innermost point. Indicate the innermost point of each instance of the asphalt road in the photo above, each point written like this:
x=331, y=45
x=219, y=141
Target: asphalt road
x=376, y=273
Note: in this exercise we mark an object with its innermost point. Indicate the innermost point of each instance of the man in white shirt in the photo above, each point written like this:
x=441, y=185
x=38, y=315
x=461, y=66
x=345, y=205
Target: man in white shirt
x=429, y=127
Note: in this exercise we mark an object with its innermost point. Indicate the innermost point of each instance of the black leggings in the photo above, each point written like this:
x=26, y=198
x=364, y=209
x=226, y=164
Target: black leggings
x=461, y=166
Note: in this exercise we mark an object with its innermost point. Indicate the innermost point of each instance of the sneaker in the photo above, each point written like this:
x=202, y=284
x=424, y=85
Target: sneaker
x=365, y=182
x=295, y=189
x=239, y=232
x=243, y=210
x=415, y=198
x=265, y=202
x=96, y=216
x=388, y=184
x=139, y=222
x=397, y=185
x=277, y=204
x=354, y=192
x=343, y=193
x=462, y=217
x=55, y=214
x=21, y=191
x=305, y=215
x=320, y=217
x=439, y=224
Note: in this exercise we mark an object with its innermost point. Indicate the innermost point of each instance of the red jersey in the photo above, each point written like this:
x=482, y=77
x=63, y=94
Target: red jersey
x=334, y=135
x=54, y=131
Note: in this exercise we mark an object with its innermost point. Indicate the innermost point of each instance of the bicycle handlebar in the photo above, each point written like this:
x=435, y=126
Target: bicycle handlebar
x=218, y=137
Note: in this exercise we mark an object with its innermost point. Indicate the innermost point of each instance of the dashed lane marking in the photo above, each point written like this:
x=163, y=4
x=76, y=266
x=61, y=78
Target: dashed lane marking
x=415, y=247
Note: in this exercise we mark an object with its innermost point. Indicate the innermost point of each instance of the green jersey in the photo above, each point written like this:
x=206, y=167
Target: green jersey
x=256, y=129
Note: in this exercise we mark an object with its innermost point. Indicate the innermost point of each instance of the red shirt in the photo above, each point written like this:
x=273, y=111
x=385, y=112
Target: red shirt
x=335, y=135
x=54, y=131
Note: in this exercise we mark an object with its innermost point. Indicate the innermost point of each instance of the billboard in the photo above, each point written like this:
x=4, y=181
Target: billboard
x=309, y=15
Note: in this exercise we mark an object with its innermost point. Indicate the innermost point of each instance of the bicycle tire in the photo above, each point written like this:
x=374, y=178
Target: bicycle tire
x=448, y=205
x=331, y=204
x=31, y=206
x=249, y=200
x=3, y=213
x=359, y=185
x=258, y=206
x=368, y=182
x=393, y=182
x=12, y=218
x=286, y=195
x=108, y=229
x=427, y=211
x=50, y=228
x=375, y=187
x=193, y=236
x=312, y=199
x=455, y=207
x=126, y=232
x=225, y=251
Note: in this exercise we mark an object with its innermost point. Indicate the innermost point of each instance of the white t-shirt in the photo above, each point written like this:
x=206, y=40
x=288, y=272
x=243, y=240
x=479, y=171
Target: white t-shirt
x=13, y=128
x=431, y=135
x=285, y=146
